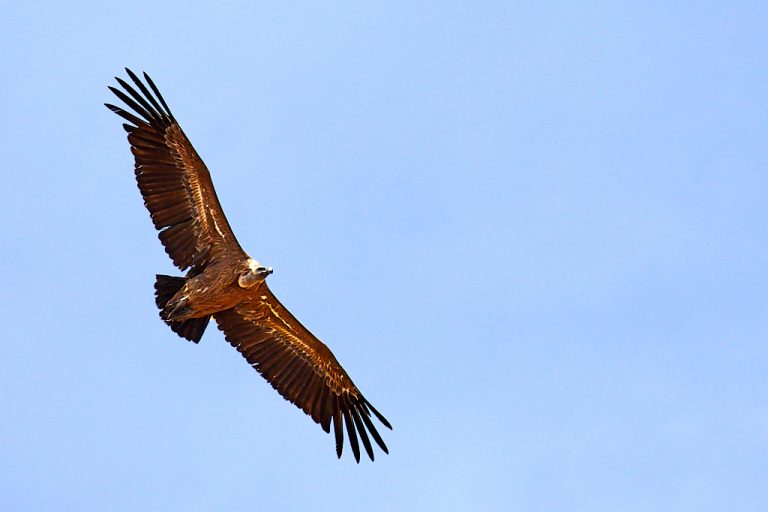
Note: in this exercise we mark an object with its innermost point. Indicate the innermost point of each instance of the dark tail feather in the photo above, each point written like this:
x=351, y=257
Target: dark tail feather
x=165, y=288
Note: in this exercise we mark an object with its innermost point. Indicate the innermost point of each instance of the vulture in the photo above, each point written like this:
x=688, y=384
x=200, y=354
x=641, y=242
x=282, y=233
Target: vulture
x=223, y=282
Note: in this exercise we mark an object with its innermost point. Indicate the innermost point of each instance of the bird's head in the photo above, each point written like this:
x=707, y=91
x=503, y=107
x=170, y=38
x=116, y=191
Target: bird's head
x=254, y=274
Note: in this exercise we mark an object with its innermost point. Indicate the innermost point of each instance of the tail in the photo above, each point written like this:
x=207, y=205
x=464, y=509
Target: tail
x=165, y=288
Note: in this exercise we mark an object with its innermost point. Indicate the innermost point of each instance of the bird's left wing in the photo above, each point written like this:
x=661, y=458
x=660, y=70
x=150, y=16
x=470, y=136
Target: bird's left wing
x=172, y=178
x=301, y=368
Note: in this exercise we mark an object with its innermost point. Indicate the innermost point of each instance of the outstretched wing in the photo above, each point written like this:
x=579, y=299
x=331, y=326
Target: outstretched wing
x=175, y=184
x=301, y=368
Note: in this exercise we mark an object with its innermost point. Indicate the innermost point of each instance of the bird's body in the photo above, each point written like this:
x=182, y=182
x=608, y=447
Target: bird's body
x=223, y=282
x=221, y=285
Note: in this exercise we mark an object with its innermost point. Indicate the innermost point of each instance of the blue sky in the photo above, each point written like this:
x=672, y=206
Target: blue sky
x=535, y=234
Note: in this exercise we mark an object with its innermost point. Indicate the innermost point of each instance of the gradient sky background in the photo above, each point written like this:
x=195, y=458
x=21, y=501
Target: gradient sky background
x=535, y=234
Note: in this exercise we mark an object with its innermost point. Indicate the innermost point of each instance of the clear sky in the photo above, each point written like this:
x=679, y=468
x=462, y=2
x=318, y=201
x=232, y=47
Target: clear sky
x=535, y=234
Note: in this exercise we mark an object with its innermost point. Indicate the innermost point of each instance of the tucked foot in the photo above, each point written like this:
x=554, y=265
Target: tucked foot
x=175, y=310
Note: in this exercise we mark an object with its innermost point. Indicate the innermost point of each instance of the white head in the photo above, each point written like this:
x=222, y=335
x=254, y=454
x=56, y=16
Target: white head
x=255, y=274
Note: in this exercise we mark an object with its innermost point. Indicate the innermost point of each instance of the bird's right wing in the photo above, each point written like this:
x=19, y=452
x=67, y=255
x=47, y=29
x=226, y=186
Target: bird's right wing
x=301, y=368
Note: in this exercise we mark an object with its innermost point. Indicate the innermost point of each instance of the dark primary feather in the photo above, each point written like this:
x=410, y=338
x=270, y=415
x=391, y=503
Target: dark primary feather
x=302, y=369
x=172, y=178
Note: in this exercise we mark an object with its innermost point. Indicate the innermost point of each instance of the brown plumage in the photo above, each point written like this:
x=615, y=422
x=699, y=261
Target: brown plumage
x=223, y=282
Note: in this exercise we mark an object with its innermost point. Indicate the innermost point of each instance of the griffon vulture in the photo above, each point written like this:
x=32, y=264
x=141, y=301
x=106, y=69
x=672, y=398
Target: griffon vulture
x=225, y=283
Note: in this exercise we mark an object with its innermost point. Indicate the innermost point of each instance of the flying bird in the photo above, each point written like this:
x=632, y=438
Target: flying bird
x=224, y=282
